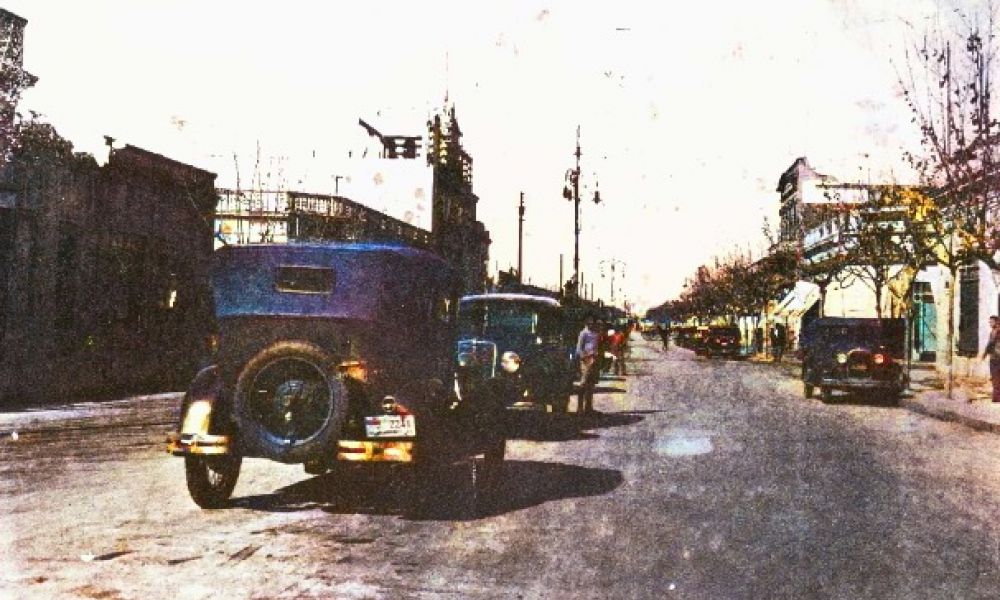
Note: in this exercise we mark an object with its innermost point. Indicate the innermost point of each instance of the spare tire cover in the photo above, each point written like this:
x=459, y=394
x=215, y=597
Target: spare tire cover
x=290, y=402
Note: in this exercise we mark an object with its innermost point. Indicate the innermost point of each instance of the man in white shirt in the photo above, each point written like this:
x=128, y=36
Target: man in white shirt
x=586, y=349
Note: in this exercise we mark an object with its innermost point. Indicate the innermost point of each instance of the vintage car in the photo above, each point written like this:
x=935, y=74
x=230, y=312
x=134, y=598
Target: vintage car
x=520, y=339
x=855, y=355
x=697, y=340
x=722, y=341
x=329, y=354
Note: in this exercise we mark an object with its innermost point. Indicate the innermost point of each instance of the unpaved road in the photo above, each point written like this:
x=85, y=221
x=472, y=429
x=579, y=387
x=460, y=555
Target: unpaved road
x=699, y=479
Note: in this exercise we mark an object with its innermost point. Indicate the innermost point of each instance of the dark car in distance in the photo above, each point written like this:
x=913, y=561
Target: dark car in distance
x=522, y=341
x=854, y=355
x=722, y=341
x=330, y=354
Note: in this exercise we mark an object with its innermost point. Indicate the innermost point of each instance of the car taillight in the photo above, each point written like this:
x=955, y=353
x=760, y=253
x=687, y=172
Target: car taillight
x=878, y=359
x=391, y=407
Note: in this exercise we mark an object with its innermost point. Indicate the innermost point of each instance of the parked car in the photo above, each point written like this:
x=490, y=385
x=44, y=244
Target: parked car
x=697, y=340
x=856, y=355
x=520, y=339
x=722, y=341
x=332, y=353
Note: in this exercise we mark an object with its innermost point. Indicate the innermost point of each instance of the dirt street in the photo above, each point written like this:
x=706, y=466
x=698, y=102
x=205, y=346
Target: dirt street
x=697, y=479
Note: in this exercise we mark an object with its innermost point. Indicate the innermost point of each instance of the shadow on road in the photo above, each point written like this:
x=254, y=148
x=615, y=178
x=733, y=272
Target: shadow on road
x=862, y=399
x=603, y=389
x=566, y=427
x=380, y=491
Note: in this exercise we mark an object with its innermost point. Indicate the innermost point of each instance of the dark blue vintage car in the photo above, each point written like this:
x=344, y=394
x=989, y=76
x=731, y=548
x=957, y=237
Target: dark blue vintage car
x=331, y=353
x=521, y=340
x=855, y=355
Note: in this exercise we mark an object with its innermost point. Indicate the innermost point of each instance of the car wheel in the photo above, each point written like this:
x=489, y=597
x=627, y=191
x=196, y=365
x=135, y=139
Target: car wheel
x=561, y=404
x=289, y=402
x=211, y=479
x=826, y=393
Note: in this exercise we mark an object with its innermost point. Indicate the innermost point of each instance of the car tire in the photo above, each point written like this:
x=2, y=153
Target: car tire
x=290, y=403
x=561, y=404
x=211, y=479
x=826, y=393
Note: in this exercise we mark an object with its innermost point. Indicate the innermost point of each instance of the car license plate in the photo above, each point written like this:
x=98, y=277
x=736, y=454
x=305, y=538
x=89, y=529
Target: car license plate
x=860, y=368
x=391, y=426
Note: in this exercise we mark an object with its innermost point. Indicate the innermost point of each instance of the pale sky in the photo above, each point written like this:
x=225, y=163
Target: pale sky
x=689, y=111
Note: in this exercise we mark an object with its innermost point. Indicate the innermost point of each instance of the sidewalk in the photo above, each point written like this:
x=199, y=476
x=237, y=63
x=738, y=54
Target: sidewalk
x=971, y=403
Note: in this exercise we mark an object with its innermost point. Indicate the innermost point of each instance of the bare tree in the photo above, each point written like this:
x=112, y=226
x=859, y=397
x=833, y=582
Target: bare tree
x=950, y=95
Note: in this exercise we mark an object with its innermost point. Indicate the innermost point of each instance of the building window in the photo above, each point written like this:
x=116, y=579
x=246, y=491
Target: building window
x=968, y=311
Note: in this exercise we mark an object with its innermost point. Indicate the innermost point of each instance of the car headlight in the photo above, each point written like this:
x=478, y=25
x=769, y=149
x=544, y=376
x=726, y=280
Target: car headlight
x=465, y=359
x=197, y=416
x=510, y=362
x=841, y=357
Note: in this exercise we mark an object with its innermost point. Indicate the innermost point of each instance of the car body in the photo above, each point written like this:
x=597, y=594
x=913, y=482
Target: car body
x=329, y=353
x=722, y=340
x=522, y=340
x=854, y=355
x=697, y=340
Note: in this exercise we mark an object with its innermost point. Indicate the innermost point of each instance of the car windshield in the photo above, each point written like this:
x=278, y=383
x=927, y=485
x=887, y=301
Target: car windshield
x=489, y=319
x=852, y=336
x=726, y=331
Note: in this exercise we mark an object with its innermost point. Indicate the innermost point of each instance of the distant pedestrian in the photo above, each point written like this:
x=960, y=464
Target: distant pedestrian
x=586, y=349
x=616, y=344
x=778, y=340
x=664, y=335
x=993, y=351
x=758, y=340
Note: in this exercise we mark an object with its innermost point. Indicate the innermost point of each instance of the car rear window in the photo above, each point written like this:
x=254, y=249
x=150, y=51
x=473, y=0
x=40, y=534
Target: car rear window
x=304, y=280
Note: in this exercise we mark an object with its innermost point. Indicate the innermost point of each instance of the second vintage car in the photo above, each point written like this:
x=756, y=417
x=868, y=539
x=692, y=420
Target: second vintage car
x=854, y=355
x=722, y=341
x=520, y=339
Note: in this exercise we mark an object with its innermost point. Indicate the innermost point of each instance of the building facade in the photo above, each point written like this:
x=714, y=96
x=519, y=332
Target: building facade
x=108, y=271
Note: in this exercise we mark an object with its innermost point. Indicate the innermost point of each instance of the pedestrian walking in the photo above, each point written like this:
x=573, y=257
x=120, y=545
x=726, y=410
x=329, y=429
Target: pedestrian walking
x=992, y=351
x=616, y=345
x=586, y=349
x=777, y=341
x=758, y=340
x=664, y=335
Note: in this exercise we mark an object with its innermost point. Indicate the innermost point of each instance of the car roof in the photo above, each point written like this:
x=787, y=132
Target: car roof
x=510, y=297
x=389, y=248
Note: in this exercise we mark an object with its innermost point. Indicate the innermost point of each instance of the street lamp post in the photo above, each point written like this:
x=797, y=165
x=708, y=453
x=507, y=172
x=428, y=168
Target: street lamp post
x=612, y=263
x=520, y=240
x=571, y=191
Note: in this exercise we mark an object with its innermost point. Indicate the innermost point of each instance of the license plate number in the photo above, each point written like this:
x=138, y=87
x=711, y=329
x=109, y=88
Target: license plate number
x=391, y=426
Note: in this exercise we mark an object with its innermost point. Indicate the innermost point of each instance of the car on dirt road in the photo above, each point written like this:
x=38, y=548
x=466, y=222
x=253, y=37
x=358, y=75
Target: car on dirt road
x=855, y=355
x=722, y=341
x=331, y=354
x=520, y=340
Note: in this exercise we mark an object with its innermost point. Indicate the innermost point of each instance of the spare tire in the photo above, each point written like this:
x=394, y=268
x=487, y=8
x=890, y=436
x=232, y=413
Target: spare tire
x=290, y=403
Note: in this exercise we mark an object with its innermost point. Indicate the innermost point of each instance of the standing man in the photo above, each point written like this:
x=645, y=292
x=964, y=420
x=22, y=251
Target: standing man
x=586, y=349
x=777, y=341
x=993, y=351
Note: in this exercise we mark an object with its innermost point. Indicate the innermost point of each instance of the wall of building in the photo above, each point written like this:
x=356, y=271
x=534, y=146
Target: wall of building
x=108, y=289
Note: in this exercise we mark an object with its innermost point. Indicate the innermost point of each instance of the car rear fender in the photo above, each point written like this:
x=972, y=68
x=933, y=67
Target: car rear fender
x=199, y=410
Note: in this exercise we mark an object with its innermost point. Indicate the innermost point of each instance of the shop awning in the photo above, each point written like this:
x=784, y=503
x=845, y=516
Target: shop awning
x=802, y=297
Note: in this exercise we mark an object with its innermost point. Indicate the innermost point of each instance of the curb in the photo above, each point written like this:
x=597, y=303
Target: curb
x=947, y=414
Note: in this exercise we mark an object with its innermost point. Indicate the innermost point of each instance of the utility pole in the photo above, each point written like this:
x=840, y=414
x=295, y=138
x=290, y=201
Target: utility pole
x=614, y=262
x=520, y=240
x=562, y=284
